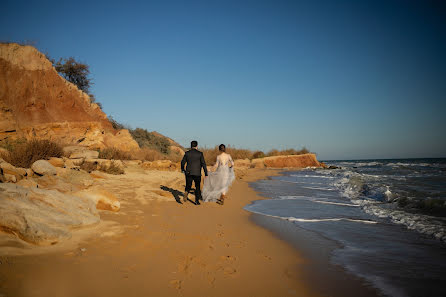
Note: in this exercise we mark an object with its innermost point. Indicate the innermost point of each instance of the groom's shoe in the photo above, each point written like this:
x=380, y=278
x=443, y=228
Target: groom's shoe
x=185, y=197
x=197, y=202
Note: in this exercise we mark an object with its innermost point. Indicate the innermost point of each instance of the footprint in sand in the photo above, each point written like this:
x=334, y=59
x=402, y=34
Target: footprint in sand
x=176, y=284
x=228, y=258
x=229, y=271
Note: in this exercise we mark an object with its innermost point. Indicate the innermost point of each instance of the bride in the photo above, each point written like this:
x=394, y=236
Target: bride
x=217, y=183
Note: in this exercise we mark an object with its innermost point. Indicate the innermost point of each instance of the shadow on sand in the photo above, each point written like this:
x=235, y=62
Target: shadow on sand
x=178, y=195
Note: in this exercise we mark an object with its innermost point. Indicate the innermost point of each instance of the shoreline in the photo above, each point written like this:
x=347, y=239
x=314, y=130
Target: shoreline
x=162, y=248
x=332, y=280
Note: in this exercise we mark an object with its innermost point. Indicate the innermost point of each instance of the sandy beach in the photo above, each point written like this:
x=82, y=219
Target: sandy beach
x=157, y=247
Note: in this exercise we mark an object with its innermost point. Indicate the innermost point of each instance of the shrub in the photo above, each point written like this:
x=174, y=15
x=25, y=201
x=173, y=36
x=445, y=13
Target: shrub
x=287, y=152
x=24, y=154
x=116, y=125
x=114, y=154
x=146, y=139
x=258, y=154
x=112, y=169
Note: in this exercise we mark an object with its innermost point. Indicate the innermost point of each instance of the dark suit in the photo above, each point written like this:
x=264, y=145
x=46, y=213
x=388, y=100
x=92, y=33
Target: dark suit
x=195, y=161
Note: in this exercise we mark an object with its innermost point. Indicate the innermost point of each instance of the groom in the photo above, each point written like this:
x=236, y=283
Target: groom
x=195, y=161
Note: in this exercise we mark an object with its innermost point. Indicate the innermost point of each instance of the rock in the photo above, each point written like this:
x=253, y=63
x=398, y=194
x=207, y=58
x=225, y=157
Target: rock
x=240, y=172
x=43, y=217
x=122, y=140
x=242, y=163
x=57, y=162
x=77, y=178
x=257, y=163
x=29, y=172
x=42, y=167
x=73, y=164
x=102, y=199
x=86, y=154
x=9, y=169
x=292, y=161
x=132, y=162
x=9, y=178
x=177, y=149
x=51, y=182
x=28, y=183
x=161, y=165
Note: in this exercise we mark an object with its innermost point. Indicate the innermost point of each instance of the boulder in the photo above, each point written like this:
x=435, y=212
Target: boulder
x=57, y=162
x=51, y=182
x=161, y=165
x=257, y=163
x=122, y=140
x=73, y=163
x=42, y=167
x=77, y=178
x=103, y=199
x=9, y=178
x=9, y=169
x=28, y=183
x=178, y=150
x=43, y=217
x=242, y=163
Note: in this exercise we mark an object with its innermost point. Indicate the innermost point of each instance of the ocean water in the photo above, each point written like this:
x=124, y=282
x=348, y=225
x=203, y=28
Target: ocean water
x=387, y=216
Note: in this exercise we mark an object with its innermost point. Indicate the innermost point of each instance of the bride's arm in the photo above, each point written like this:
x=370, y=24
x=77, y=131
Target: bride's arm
x=230, y=161
x=216, y=164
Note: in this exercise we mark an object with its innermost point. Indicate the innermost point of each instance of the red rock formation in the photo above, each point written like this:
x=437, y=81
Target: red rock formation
x=35, y=101
x=292, y=161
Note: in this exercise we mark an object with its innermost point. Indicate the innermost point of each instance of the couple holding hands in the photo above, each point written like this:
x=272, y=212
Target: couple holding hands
x=216, y=183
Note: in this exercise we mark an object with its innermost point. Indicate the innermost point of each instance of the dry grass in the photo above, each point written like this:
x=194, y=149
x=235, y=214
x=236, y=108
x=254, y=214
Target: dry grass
x=24, y=153
x=287, y=152
x=112, y=169
x=114, y=154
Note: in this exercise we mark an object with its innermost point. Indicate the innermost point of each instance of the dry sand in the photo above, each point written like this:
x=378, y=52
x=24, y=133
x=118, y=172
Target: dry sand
x=157, y=247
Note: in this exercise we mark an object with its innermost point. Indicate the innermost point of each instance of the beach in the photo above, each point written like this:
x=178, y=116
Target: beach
x=158, y=247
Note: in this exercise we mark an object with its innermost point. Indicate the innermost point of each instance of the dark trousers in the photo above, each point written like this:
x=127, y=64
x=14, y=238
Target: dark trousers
x=197, y=181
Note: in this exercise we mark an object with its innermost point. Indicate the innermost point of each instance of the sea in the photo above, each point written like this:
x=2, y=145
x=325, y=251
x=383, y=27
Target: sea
x=387, y=217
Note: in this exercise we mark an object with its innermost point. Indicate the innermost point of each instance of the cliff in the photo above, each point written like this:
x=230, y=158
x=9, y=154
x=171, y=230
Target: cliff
x=35, y=101
x=291, y=161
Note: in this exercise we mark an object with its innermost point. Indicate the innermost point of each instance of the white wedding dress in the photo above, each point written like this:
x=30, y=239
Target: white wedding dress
x=218, y=182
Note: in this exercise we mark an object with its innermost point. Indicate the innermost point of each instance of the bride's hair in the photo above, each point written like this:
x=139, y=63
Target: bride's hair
x=222, y=148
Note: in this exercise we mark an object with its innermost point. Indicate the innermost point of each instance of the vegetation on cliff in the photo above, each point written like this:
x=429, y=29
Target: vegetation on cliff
x=210, y=155
x=23, y=153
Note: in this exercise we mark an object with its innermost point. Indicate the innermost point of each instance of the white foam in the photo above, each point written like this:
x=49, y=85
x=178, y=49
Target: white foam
x=311, y=176
x=316, y=188
x=336, y=203
x=293, y=219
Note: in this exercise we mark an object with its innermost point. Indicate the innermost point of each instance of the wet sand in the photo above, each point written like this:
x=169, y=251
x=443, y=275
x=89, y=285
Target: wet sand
x=158, y=247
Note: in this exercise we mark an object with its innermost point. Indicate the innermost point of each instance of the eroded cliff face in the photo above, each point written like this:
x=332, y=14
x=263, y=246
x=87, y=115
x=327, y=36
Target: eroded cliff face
x=35, y=101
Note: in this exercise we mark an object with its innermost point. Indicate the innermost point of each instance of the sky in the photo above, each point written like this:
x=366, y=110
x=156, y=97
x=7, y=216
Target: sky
x=345, y=79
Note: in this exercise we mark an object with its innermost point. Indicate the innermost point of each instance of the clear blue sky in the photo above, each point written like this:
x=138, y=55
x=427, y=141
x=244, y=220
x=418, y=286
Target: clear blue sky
x=346, y=79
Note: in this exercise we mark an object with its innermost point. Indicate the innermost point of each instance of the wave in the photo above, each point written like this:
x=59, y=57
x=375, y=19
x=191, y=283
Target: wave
x=312, y=176
x=336, y=203
x=316, y=188
x=301, y=220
